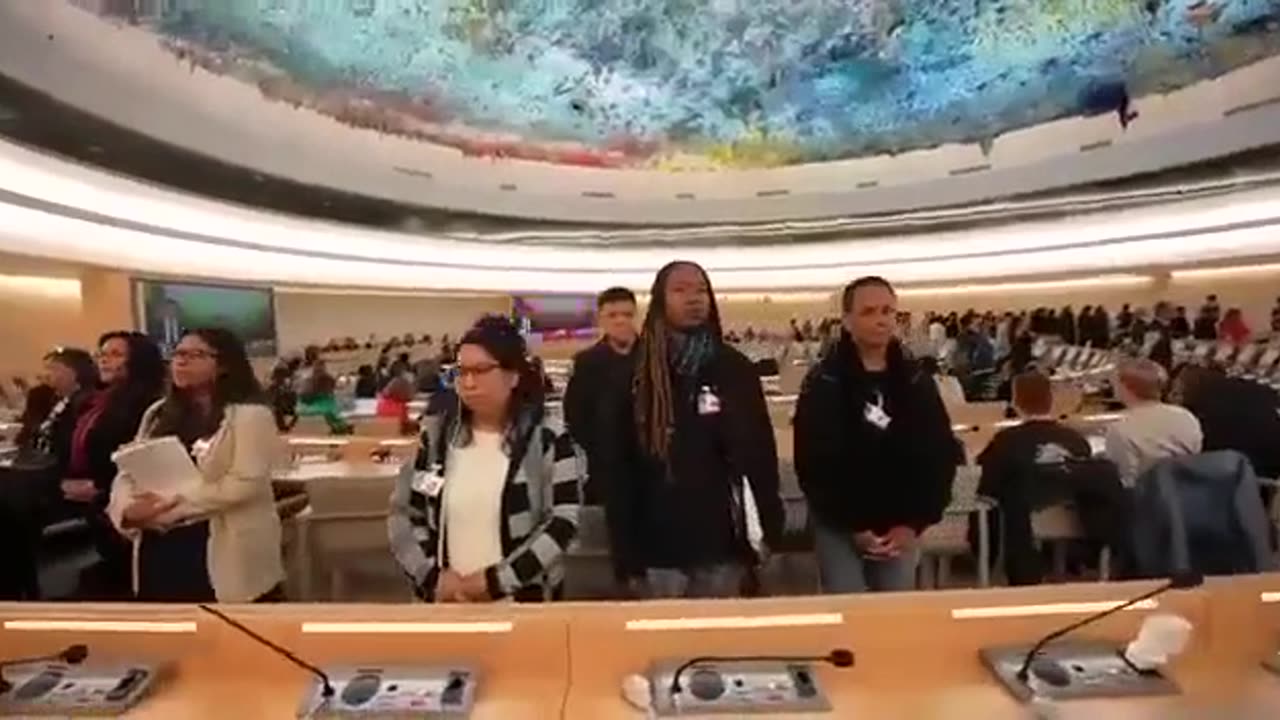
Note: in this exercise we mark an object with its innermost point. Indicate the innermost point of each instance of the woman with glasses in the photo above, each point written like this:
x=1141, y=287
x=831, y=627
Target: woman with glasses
x=495, y=502
x=220, y=539
x=131, y=376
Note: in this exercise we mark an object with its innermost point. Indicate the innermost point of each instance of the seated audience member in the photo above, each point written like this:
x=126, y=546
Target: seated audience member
x=39, y=402
x=606, y=364
x=505, y=507
x=366, y=383
x=220, y=539
x=317, y=399
x=44, y=453
x=426, y=375
x=73, y=376
x=1150, y=430
x=400, y=367
x=1234, y=414
x=949, y=388
x=1233, y=328
x=1014, y=461
x=684, y=448
x=283, y=398
x=131, y=371
x=393, y=402
x=874, y=450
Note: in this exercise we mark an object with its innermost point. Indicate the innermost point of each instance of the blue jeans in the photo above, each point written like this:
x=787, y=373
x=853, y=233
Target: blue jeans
x=712, y=581
x=842, y=569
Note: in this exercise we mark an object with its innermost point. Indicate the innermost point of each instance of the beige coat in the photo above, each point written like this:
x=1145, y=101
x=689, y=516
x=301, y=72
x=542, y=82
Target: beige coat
x=244, y=530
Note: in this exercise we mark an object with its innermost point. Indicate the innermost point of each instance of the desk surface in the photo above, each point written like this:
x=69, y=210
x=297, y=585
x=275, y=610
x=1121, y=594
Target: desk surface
x=916, y=655
x=304, y=472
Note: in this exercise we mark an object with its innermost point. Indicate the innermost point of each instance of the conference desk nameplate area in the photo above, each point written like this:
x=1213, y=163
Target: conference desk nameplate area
x=917, y=653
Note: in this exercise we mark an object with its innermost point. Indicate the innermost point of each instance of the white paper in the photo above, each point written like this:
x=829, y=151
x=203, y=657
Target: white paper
x=160, y=465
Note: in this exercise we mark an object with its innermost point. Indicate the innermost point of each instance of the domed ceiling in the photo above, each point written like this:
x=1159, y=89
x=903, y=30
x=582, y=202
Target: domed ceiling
x=711, y=84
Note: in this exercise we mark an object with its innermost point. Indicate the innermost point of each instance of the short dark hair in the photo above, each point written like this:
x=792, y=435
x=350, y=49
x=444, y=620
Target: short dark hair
x=1033, y=393
x=846, y=298
x=79, y=362
x=615, y=294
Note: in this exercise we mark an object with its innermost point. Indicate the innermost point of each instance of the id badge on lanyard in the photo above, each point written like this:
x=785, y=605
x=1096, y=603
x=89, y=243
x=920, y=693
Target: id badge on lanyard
x=874, y=412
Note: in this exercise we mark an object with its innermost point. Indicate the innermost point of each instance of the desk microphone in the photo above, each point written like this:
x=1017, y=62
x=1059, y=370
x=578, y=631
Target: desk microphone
x=839, y=657
x=326, y=691
x=1180, y=581
x=71, y=655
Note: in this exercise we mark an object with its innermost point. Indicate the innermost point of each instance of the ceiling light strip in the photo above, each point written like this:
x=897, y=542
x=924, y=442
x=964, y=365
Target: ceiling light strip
x=1071, y=608
x=110, y=626
x=403, y=628
x=735, y=623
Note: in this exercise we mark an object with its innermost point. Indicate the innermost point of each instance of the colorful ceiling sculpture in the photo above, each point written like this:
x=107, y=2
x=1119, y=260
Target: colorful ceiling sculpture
x=714, y=84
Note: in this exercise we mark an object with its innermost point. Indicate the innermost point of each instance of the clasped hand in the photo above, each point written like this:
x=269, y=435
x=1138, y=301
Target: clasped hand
x=890, y=545
x=452, y=587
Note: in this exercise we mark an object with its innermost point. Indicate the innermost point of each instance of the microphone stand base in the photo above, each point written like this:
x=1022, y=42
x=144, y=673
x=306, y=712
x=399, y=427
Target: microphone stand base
x=1074, y=670
x=373, y=692
x=738, y=687
x=62, y=689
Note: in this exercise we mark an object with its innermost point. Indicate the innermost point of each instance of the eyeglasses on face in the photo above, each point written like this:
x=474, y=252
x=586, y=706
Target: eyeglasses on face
x=476, y=371
x=194, y=355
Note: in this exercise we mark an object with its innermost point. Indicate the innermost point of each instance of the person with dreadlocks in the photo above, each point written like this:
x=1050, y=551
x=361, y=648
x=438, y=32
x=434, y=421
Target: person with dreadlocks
x=874, y=451
x=692, y=463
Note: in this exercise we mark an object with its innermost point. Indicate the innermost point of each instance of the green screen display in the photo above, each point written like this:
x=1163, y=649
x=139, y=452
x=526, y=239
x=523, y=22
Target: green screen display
x=168, y=309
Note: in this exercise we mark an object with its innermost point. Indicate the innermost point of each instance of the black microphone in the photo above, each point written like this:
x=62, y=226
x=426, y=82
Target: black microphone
x=839, y=657
x=71, y=655
x=326, y=690
x=1180, y=581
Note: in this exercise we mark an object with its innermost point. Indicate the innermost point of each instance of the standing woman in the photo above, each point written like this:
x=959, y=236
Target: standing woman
x=228, y=546
x=131, y=373
x=494, y=516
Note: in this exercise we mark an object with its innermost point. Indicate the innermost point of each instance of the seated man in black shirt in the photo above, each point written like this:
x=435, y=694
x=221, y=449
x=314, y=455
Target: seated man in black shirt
x=1013, y=458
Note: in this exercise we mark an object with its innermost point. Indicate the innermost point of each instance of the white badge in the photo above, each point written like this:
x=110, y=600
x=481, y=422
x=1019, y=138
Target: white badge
x=708, y=403
x=428, y=482
x=875, y=414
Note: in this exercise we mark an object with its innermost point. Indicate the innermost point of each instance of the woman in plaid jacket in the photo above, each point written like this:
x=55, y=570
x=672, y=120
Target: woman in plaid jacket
x=494, y=502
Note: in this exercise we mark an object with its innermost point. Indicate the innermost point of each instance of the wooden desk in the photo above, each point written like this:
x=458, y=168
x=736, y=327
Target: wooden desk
x=916, y=655
x=305, y=472
x=915, y=661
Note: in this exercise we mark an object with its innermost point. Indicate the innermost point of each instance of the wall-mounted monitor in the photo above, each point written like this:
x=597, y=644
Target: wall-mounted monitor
x=555, y=315
x=165, y=309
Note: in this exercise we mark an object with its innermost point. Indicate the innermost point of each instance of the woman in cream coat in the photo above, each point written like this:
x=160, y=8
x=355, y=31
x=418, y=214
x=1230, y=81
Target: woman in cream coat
x=217, y=409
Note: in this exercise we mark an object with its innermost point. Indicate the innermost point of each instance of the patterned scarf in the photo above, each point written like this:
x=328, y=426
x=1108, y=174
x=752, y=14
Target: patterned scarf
x=691, y=351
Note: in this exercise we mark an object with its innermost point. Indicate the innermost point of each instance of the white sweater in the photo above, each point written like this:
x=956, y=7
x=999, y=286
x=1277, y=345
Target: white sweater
x=244, y=530
x=1149, y=433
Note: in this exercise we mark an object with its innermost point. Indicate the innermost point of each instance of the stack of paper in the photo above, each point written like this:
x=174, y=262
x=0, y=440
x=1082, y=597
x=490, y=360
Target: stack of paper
x=161, y=466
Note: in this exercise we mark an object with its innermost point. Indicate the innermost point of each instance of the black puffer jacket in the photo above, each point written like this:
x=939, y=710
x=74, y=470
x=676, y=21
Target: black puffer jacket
x=858, y=476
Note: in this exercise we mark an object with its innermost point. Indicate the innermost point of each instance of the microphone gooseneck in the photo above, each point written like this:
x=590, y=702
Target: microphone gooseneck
x=840, y=657
x=72, y=655
x=326, y=685
x=1179, y=581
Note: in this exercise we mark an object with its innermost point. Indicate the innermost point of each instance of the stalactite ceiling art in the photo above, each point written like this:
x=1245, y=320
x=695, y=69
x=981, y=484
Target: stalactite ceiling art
x=713, y=84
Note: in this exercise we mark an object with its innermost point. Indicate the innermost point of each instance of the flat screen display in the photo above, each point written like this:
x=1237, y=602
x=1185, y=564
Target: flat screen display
x=555, y=314
x=166, y=309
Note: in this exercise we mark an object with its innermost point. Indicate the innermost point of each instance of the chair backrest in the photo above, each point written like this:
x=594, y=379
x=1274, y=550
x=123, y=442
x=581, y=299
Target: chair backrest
x=359, y=449
x=311, y=425
x=378, y=427
x=349, y=514
x=1056, y=522
x=1067, y=399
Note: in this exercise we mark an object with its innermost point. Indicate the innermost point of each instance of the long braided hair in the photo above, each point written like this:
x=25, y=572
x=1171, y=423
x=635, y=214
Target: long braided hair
x=651, y=384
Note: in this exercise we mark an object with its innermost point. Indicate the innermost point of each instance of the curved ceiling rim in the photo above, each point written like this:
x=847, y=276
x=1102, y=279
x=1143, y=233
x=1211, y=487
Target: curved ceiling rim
x=67, y=211
x=57, y=237
x=61, y=182
x=1234, y=125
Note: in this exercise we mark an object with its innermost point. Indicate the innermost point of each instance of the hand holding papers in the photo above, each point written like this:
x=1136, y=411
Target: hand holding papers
x=162, y=472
